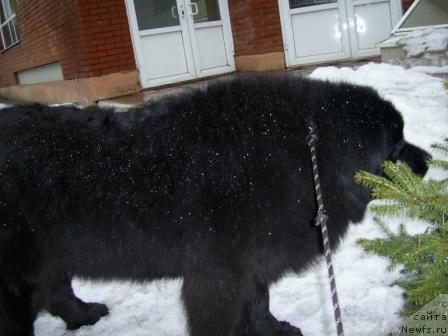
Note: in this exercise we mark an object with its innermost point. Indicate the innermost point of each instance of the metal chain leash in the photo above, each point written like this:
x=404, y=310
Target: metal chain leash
x=321, y=219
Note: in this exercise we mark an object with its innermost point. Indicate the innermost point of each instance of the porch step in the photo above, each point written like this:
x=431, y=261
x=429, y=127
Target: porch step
x=124, y=103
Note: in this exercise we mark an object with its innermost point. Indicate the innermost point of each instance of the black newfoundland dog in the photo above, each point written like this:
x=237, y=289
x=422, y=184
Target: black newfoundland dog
x=213, y=185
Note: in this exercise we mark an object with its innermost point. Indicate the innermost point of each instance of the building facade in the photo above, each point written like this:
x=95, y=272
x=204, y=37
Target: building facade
x=83, y=50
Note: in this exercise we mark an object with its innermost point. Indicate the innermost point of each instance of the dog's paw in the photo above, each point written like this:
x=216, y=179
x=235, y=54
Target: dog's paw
x=287, y=329
x=91, y=314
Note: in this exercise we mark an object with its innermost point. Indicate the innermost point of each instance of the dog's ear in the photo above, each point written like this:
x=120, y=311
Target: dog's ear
x=415, y=157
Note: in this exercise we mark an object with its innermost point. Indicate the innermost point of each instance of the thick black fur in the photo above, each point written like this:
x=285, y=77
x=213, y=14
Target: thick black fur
x=214, y=186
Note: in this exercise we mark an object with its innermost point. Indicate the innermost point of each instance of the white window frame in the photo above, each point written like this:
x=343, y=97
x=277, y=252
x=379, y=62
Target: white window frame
x=397, y=30
x=14, y=35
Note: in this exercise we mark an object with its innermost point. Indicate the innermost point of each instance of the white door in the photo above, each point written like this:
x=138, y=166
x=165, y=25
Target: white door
x=370, y=22
x=313, y=31
x=323, y=30
x=178, y=40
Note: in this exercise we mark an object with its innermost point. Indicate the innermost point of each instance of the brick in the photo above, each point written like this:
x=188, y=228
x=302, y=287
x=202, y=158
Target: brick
x=103, y=35
x=98, y=11
x=106, y=46
x=111, y=27
x=116, y=51
x=97, y=54
x=88, y=6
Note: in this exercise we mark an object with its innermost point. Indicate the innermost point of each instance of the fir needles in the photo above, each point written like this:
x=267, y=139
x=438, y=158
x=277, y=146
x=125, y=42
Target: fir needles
x=424, y=256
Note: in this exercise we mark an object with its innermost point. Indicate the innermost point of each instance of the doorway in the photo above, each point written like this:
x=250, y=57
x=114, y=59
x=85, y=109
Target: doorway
x=178, y=40
x=325, y=30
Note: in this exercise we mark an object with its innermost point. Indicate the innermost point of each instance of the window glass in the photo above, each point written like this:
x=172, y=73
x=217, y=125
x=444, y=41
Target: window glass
x=8, y=25
x=2, y=16
x=153, y=14
x=6, y=35
x=427, y=13
x=305, y=3
x=16, y=31
x=207, y=10
x=8, y=11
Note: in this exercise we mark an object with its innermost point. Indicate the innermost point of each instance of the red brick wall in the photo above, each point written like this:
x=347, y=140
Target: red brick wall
x=92, y=38
x=88, y=37
x=256, y=26
x=47, y=33
x=107, y=45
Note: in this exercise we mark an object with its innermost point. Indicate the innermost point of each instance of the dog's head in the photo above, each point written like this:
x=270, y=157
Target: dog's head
x=413, y=156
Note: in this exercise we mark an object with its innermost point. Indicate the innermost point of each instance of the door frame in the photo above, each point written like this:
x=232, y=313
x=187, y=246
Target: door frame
x=288, y=40
x=346, y=30
x=186, y=27
x=227, y=35
x=395, y=14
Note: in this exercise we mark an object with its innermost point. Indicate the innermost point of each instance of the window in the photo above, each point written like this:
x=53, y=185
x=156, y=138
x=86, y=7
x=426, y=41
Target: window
x=424, y=13
x=305, y=3
x=8, y=24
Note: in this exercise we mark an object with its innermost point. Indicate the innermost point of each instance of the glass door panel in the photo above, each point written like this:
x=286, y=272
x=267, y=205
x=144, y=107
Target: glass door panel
x=427, y=13
x=153, y=14
x=206, y=10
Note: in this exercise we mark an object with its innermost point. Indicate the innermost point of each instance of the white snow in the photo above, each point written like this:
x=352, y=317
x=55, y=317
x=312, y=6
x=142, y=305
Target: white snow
x=370, y=306
x=426, y=46
x=419, y=41
x=3, y=105
x=435, y=70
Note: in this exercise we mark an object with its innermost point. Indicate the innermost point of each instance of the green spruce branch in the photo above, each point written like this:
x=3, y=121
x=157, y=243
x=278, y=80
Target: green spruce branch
x=424, y=257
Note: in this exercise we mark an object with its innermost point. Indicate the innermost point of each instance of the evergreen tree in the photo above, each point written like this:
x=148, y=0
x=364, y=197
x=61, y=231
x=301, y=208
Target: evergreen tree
x=424, y=256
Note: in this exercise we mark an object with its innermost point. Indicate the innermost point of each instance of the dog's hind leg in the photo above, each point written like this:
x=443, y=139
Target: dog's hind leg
x=214, y=303
x=56, y=295
x=224, y=305
x=261, y=321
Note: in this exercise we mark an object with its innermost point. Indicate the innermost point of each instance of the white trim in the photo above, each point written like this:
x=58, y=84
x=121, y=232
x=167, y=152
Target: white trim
x=405, y=16
x=397, y=10
x=315, y=8
x=286, y=29
x=208, y=24
x=227, y=29
x=157, y=31
x=133, y=27
x=407, y=30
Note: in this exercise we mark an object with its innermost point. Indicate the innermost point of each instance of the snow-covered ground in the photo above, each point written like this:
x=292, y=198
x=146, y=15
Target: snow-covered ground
x=426, y=46
x=419, y=41
x=370, y=305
